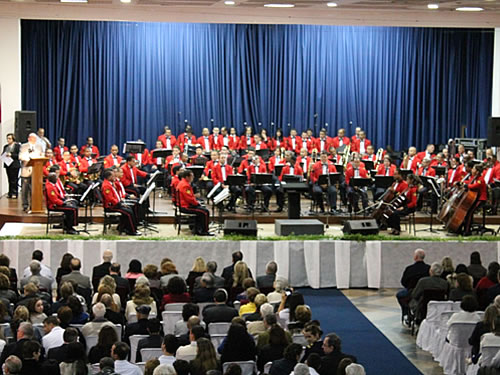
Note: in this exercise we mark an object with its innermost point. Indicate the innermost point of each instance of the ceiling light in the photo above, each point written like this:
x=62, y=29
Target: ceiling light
x=332, y=5
x=279, y=5
x=73, y=1
x=433, y=6
x=229, y=2
x=126, y=1
x=469, y=9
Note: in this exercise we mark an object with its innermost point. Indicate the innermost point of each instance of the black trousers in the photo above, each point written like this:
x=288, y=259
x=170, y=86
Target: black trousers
x=13, y=178
x=266, y=190
x=331, y=191
x=127, y=218
x=353, y=196
x=70, y=210
x=394, y=221
x=202, y=217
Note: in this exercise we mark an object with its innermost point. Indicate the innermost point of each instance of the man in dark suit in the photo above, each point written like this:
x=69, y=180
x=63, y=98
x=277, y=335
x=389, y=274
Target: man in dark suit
x=205, y=291
x=411, y=275
x=76, y=276
x=219, y=282
x=141, y=326
x=153, y=341
x=333, y=355
x=60, y=353
x=227, y=272
x=220, y=311
x=122, y=284
x=267, y=280
x=102, y=269
x=24, y=334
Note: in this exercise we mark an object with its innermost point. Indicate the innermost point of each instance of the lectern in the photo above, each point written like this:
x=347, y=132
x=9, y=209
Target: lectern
x=37, y=165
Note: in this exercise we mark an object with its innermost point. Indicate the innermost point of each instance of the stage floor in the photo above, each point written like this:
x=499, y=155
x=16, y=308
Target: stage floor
x=11, y=211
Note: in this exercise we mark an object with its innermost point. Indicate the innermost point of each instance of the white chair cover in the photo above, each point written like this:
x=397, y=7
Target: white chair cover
x=427, y=332
x=134, y=341
x=218, y=328
x=298, y=338
x=217, y=339
x=247, y=367
x=94, y=368
x=91, y=341
x=169, y=320
x=118, y=329
x=141, y=365
x=472, y=369
x=174, y=307
x=237, y=305
x=453, y=356
x=149, y=353
x=202, y=305
x=487, y=355
x=456, y=306
x=440, y=335
x=132, y=318
x=267, y=367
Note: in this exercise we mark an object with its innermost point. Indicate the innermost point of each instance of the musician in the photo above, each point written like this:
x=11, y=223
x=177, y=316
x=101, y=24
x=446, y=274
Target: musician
x=234, y=144
x=173, y=159
x=186, y=139
x=323, y=143
x=408, y=190
x=340, y=140
x=356, y=134
x=189, y=204
x=167, y=139
x=73, y=181
x=305, y=161
x=305, y=143
x=355, y=193
x=113, y=159
x=411, y=161
x=143, y=160
x=323, y=167
x=384, y=169
x=279, y=139
x=461, y=153
x=268, y=141
x=131, y=175
x=208, y=172
x=276, y=159
x=455, y=173
x=90, y=143
x=257, y=167
x=155, y=163
x=198, y=158
x=370, y=154
x=220, y=173
x=67, y=164
x=113, y=202
x=205, y=141
x=227, y=141
x=490, y=174
x=428, y=153
x=446, y=155
x=360, y=144
x=60, y=148
x=291, y=167
x=478, y=185
x=247, y=160
x=73, y=152
x=439, y=161
x=86, y=161
x=426, y=171
x=292, y=141
x=333, y=156
x=42, y=140
x=11, y=150
x=216, y=139
x=257, y=143
x=175, y=181
x=131, y=199
x=488, y=154
x=52, y=161
x=57, y=201
x=246, y=139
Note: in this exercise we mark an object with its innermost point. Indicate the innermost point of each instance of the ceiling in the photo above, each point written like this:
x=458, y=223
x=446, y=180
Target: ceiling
x=348, y=12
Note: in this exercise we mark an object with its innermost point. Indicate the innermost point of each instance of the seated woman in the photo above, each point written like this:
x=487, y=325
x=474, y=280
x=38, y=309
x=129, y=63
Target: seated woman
x=188, y=310
x=168, y=270
x=302, y=317
x=274, y=350
x=206, y=358
x=484, y=326
x=286, y=310
x=79, y=316
x=199, y=268
x=239, y=275
x=35, y=307
x=107, y=285
x=463, y=287
x=142, y=296
x=176, y=292
x=312, y=333
x=239, y=345
x=107, y=337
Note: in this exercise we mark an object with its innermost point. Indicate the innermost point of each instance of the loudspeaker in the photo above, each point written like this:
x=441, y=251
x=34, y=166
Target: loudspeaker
x=494, y=131
x=24, y=125
x=364, y=227
x=241, y=227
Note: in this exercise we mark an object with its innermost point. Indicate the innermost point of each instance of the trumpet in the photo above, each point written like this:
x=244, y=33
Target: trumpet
x=74, y=176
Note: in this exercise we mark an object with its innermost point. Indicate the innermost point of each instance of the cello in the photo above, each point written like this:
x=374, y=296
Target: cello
x=459, y=208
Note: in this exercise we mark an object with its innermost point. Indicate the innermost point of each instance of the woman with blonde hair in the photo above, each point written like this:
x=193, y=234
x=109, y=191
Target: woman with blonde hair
x=240, y=273
x=448, y=268
x=206, y=358
x=107, y=285
x=199, y=268
x=142, y=296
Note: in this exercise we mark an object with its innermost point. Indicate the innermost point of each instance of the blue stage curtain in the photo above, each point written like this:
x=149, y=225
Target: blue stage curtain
x=120, y=81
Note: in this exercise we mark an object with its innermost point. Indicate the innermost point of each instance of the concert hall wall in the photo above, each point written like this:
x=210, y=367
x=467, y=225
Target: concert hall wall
x=121, y=81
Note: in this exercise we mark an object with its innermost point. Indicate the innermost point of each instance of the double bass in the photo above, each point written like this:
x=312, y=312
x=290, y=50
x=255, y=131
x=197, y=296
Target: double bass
x=461, y=202
x=385, y=200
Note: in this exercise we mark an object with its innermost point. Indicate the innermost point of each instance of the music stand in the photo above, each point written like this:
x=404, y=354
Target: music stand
x=361, y=182
x=237, y=161
x=339, y=168
x=152, y=179
x=369, y=164
x=290, y=178
x=201, y=161
x=440, y=170
x=132, y=147
x=331, y=178
x=278, y=169
x=405, y=172
x=236, y=180
x=161, y=153
x=383, y=182
x=431, y=184
x=191, y=150
x=95, y=168
x=145, y=196
x=197, y=171
x=261, y=178
x=264, y=153
x=86, y=196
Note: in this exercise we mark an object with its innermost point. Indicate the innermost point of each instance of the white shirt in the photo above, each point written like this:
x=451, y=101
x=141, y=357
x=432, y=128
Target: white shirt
x=293, y=143
x=362, y=148
x=127, y=368
x=44, y=271
x=223, y=170
x=325, y=169
x=488, y=175
x=187, y=352
x=207, y=143
x=169, y=145
x=452, y=175
x=53, y=339
x=166, y=359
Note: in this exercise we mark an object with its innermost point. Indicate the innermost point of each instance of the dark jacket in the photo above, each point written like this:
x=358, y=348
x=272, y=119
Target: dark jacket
x=330, y=362
x=115, y=317
x=282, y=367
x=14, y=155
x=153, y=341
x=475, y=339
x=265, y=281
x=413, y=273
x=203, y=295
x=196, y=369
x=59, y=354
x=493, y=292
x=98, y=272
x=15, y=348
x=269, y=353
x=218, y=313
x=138, y=328
x=98, y=352
x=317, y=348
x=457, y=294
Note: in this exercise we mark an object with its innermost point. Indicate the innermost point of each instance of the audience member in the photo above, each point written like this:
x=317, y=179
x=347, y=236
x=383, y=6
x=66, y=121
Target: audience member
x=280, y=285
x=255, y=327
x=188, y=310
x=101, y=269
x=182, y=368
x=312, y=334
x=188, y=352
x=476, y=269
x=32, y=350
x=76, y=362
x=64, y=267
x=250, y=307
x=168, y=270
x=487, y=282
x=484, y=326
x=176, y=292
x=79, y=315
x=300, y=369
x=164, y=370
x=154, y=340
x=218, y=282
x=332, y=347
x=238, y=346
x=24, y=334
x=169, y=346
x=122, y=284
x=193, y=321
x=285, y=365
x=490, y=339
x=448, y=269
x=119, y=352
x=113, y=313
x=53, y=333
x=493, y=291
x=44, y=283
x=93, y=327
x=134, y=272
x=227, y=272
x=274, y=350
x=12, y=365
x=239, y=275
x=76, y=276
x=463, y=287
x=233, y=369
x=355, y=369
x=151, y=273
x=286, y=310
x=150, y=365
x=267, y=281
x=5, y=262
x=219, y=312
x=198, y=269
x=205, y=290
x=6, y=294
x=206, y=358
x=303, y=316
x=263, y=338
x=35, y=308
x=468, y=314
x=141, y=326
x=141, y=297
x=106, y=338
x=107, y=285
x=106, y=366
x=61, y=352
x=313, y=360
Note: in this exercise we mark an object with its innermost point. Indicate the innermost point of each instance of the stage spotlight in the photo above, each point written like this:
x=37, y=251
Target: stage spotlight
x=229, y=2
x=469, y=9
x=433, y=6
x=331, y=5
x=279, y=5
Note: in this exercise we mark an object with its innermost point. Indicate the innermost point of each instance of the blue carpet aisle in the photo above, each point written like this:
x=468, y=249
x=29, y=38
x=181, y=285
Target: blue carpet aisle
x=359, y=336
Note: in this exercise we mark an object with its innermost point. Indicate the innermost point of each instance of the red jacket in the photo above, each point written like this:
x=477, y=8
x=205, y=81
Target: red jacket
x=251, y=170
x=186, y=194
x=205, y=142
x=209, y=167
x=217, y=173
x=300, y=162
x=327, y=142
x=289, y=143
x=120, y=189
x=217, y=142
x=371, y=157
x=412, y=163
x=163, y=139
x=144, y=158
x=109, y=161
x=411, y=197
x=58, y=152
x=262, y=146
x=336, y=141
x=130, y=175
x=349, y=173
x=381, y=170
x=65, y=167
x=356, y=145
x=183, y=140
x=273, y=163
x=95, y=150
x=455, y=175
x=297, y=171
x=47, y=166
x=270, y=143
x=84, y=164
x=233, y=142
x=308, y=143
x=400, y=187
x=245, y=163
x=173, y=187
x=431, y=172
x=246, y=142
x=174, y=298
x=490, y=174
x=317, y=170
x=54, y=197
x=110, y=194
x=478, y=185
x=421, y=155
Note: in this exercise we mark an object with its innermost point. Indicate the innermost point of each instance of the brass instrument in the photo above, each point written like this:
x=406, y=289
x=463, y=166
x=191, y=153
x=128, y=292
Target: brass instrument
x=74, y=176
x=346, y=155
x=378, y=157
x=404, y=163
x=309, y=170
x=314, y=155
x=282, y=153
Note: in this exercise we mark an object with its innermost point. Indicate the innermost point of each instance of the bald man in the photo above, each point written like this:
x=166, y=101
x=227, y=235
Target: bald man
x=102, y=269
x=411, y=275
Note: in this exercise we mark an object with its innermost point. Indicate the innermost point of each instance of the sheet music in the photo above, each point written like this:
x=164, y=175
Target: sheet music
x=6, y=159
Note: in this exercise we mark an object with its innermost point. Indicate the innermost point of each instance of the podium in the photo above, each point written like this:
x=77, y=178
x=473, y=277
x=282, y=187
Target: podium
x=37, y=165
